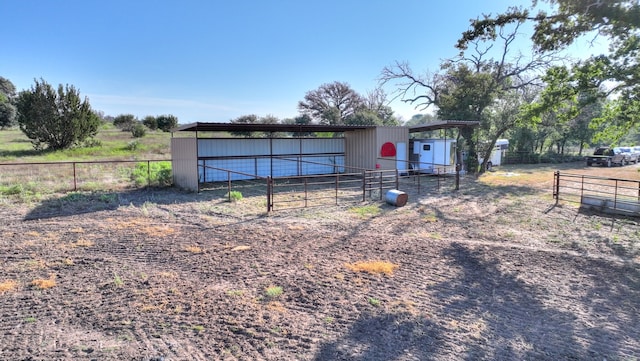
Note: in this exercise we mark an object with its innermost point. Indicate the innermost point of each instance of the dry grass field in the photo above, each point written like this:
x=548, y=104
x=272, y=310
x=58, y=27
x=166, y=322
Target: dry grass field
x=494, y=271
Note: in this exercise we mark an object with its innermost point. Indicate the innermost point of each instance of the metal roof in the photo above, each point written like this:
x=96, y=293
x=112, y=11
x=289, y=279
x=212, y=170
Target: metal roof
x=443, y=124
x=255, y=127
x=307, y=128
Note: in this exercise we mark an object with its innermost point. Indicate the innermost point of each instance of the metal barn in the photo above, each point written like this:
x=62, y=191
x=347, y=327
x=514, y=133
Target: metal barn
x=205, y=152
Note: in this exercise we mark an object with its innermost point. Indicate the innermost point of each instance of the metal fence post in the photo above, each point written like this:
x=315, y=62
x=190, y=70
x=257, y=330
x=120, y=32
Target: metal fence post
x=397, y=179
x=75, y=180
x=148, y=173
x=269, y=194
x=380, y=183
x=337, y=186
x=229, y=185
x=364, y=185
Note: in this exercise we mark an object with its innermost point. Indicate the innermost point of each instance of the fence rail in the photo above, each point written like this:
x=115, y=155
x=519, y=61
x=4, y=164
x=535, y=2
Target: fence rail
x=610, y=195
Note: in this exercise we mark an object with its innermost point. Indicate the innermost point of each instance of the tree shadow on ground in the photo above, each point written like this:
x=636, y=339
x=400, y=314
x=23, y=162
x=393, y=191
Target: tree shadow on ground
x=386, y=336
x=485, y=312
x=519, y=325
x=77, y=203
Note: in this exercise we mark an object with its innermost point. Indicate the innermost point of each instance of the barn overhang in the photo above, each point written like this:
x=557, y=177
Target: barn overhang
x=443, y=124
x=256, y=127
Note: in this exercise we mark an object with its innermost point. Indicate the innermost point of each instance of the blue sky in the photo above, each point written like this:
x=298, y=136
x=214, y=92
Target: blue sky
x=212, y=61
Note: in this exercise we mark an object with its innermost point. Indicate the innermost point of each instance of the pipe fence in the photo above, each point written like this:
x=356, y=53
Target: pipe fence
x=603, y=194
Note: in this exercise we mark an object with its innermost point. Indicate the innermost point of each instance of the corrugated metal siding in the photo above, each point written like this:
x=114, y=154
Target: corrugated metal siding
x=232, y=147
x=184, y=160
x=286, y=146
x=360, y=150
x=323, y=145
x=393, y=135
x=291, y=157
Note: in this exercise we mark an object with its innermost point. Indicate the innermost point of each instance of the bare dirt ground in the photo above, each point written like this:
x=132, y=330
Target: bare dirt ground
x=494, y=271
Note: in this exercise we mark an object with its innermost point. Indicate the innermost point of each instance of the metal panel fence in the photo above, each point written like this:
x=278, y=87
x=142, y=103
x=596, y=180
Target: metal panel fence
x=609, y=195
x=327, y=189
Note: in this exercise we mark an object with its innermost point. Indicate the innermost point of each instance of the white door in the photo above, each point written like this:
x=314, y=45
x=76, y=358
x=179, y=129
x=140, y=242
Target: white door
x=401, y=158
x=426, y=157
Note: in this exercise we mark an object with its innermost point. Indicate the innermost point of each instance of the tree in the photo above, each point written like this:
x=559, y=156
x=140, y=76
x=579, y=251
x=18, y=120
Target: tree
x=419, y=119
x=244, y=119
x=570, y=20
x=167, y=122
x=8, y=114
x=331, y=103
x=8, y=111
x=376, y=103
x=125, y=122
x=469, y=85
x=55, y=119
x=150, y=122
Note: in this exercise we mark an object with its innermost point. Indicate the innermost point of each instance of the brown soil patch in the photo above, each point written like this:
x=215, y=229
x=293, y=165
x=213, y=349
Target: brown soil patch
x=494, y=271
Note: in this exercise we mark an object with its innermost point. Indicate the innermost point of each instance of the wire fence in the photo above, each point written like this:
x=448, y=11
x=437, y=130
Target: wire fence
x=60, y=177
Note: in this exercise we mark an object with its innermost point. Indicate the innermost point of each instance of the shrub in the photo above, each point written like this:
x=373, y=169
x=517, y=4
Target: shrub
x=138, y=130
x=234, y=196
x=157, y=174
x=132, y=145
x=273, y=291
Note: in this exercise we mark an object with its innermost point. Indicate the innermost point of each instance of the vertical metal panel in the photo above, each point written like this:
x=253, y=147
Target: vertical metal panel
x=184, y=163
x=360, y=150
x=393, y=135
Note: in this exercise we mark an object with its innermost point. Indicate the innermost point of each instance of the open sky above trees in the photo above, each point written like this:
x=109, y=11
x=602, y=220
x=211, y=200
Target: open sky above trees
x=215, y=61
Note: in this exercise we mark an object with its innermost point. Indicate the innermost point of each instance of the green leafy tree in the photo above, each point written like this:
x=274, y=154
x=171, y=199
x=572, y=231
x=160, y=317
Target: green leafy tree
x=55, y=119
x=150, y=122
x=8, y=111
x=570, y=21
x=167, y=122
x=467, y=86
x=126, y=122
x=244, y=119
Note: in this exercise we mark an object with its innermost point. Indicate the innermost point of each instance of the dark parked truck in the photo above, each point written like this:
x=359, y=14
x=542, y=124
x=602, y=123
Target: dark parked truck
x=606, y=156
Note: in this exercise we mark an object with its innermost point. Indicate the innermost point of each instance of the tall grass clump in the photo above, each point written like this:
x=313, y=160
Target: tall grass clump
x=234, y=196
